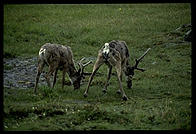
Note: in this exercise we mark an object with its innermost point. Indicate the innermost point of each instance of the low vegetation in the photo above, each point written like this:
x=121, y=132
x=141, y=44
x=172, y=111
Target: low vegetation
x=160, y=98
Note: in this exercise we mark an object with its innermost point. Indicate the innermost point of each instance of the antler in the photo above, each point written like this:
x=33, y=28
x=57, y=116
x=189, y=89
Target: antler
x=81, y=65
x=138, y=60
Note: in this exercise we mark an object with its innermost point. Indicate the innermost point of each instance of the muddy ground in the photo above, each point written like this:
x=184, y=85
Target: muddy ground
x=21, y=72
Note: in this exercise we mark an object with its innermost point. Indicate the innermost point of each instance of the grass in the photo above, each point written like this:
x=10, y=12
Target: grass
x=162, y=94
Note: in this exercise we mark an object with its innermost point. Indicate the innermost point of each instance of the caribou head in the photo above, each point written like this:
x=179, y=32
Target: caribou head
x=79, y=75
x=130, y=69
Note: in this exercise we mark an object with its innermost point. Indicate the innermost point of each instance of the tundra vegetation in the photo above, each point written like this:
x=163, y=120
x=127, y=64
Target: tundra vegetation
x=161, y=96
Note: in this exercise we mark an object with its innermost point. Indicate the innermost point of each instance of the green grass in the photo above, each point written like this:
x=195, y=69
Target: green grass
x=162, y=94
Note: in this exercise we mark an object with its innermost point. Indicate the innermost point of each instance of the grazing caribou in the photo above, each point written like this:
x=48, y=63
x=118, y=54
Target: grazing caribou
x=59, y=57
x=115, y=54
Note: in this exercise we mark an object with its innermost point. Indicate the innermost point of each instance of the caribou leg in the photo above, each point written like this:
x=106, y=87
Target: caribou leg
x=97, y=65
x=54, y=78
x=63, y=79
x=39, y=71
x=119, y=75
x=52, y=68
x=108, y=78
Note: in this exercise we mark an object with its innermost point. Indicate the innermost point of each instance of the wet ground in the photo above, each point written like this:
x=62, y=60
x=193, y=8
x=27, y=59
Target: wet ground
x=21, y=72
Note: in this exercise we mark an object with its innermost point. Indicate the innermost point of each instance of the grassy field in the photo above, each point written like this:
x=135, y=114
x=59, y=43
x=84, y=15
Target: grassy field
x=162, y=94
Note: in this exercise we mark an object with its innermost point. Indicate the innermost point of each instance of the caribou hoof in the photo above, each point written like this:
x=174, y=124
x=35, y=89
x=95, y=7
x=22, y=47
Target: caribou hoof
x=85, y=95
x=125, y=98
x=118, y=92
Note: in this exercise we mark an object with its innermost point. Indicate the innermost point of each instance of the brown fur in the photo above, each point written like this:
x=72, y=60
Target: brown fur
x=117, y=57
x=57, y=57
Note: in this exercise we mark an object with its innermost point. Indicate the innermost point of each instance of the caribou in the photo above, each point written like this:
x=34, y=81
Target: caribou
x=59, y=57
x=116, y=54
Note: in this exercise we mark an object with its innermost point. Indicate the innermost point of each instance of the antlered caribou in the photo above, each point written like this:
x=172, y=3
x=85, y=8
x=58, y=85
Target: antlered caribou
x=115, y=54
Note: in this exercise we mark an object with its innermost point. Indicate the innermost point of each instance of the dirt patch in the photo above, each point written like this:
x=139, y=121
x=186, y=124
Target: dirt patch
x=21, y=72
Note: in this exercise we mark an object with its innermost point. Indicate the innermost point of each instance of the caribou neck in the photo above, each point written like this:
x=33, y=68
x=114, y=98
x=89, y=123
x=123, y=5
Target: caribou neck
x=72, y=71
